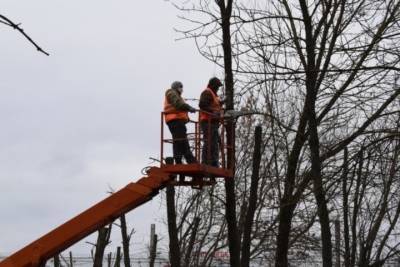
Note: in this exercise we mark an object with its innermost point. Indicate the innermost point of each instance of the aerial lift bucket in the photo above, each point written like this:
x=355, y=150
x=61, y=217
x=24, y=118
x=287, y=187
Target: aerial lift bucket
x=200, y=173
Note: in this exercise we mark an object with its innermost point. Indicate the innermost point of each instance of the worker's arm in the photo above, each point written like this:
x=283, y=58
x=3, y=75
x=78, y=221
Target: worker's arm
x=205, y=101
x=176, y=100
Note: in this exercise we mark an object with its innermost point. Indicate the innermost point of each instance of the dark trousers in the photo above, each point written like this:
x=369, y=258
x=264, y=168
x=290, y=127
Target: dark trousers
x=180, y=146
x=210, y=153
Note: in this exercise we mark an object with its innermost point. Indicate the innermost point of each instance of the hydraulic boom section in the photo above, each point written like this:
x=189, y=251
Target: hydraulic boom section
x=101, y=214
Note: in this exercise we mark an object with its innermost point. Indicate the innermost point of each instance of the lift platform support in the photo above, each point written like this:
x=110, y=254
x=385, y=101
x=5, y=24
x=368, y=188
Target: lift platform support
x=101, y=214
x=131, y=196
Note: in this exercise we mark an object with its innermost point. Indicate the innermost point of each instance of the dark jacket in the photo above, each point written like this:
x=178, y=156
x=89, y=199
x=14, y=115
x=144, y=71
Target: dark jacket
x=205, y=100
x=176, y=100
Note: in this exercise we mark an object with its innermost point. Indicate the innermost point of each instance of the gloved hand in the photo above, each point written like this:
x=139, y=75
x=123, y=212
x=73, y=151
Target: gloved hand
x=192, y=110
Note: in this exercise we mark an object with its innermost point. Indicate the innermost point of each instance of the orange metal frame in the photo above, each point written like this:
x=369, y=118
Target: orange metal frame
x=122, y=201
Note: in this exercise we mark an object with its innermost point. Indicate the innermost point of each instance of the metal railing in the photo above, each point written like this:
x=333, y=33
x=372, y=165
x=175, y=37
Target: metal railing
x=196, y=138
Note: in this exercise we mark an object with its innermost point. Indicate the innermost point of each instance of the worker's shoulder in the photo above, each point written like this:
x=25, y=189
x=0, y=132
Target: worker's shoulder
x=170, y=92
x=206, y=93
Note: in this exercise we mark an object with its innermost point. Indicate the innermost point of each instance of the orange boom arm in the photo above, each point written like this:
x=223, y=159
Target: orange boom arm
x=101, y=214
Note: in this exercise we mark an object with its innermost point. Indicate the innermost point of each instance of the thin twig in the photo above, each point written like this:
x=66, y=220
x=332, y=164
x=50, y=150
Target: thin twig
x=8, y=22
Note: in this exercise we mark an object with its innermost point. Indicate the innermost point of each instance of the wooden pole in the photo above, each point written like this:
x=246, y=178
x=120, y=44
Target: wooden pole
x=153, y=241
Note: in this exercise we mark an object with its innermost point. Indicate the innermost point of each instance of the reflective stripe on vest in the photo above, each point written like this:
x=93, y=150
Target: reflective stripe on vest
x=215, y=107
x=171, y=113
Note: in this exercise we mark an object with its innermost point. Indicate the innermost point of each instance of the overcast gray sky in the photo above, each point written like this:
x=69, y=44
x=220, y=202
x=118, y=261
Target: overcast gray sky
x=87, y=117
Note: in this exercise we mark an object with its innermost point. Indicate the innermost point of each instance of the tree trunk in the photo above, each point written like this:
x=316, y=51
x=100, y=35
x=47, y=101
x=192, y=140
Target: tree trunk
x=118, y=258
x=246, y=244
x=230, y=210
x=345, y=199
x=109, y=258
x=192, y=239
x=284, y=228
x=103, y=239
x=174, y=251
x=311, y=97
x=319, y=192
x=288, y=203
x=57, y=262
x=125, y=241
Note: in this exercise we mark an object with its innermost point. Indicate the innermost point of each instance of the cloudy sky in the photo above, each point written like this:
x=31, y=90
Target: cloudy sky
x=87, y=117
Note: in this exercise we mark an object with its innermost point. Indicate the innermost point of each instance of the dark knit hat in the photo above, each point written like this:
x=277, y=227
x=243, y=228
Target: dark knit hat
x=214, y=83
x=176, y=85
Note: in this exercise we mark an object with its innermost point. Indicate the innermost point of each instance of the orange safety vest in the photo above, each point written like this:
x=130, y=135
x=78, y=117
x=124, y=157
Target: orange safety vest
x=171, y=113
x=215, y=107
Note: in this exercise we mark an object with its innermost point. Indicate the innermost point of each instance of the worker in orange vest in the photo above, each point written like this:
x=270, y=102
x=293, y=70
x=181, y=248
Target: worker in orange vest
x=176, y=117
x=211, y=104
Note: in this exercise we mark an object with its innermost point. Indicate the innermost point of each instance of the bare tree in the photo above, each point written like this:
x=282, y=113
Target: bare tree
x=324, y=74
x=371, y=183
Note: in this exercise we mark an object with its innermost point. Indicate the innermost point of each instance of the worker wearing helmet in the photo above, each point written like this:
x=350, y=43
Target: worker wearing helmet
x=211, y=105
x=176, y=117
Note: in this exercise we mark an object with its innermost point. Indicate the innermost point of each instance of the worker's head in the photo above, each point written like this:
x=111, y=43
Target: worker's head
x=177, y=85
x=214, y=83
